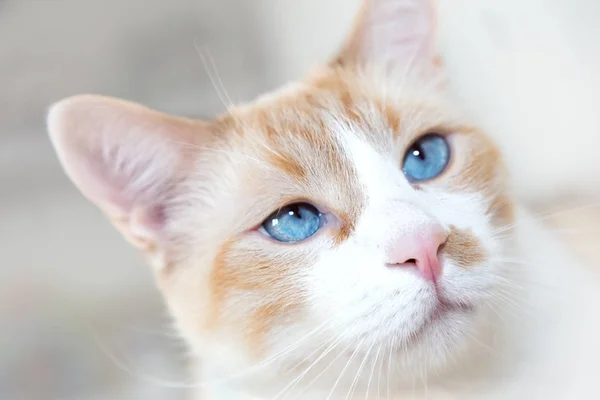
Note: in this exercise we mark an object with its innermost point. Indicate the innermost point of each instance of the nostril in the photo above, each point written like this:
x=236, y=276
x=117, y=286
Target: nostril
x=440, y=248
x=411, y=262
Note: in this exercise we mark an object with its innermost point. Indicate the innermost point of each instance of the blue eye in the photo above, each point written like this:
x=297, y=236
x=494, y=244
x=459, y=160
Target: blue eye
x=293, y=223
x=427, y=158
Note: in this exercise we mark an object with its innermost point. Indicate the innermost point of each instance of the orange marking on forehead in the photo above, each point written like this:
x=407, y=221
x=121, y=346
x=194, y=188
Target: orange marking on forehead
x=464, y=248
x=391, y=115
x=289, y=166
x=293, y=134
x=349, y=106
x=377, y=118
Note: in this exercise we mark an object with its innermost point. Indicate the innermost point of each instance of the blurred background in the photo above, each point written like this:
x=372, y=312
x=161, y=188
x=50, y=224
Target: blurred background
x=79, y=313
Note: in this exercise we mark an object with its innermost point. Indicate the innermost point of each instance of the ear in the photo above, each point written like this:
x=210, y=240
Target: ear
x=399, y=34
x=125, y=158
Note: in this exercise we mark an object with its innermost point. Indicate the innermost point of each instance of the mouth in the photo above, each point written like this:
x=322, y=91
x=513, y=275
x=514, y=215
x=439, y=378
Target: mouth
x=444, y=308
x=441, y=313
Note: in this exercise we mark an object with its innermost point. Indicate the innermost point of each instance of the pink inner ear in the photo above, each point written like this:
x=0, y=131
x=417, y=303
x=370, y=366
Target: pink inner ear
x=399, y=33
x=91, y=179
x=116, y=188
x=123, y=157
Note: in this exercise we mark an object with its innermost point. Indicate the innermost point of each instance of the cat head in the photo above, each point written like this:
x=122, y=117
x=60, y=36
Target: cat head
x=352, y=213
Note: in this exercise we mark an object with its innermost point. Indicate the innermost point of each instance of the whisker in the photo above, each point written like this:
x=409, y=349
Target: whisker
x=497, y=313
x=295, y=381
x=348, y=363
x=548, y=215
x=308, y=357
x=167, y=332
x=373, y=370
x=485, y=346
x=423, y=373
x=511, y=261
x=209, y=66
x=389, y=368
x=359, y=372
x=324, y=370
x=507, y=301
x=379, y=374
x=216, y=81
x=292, y=385
x=126, y=367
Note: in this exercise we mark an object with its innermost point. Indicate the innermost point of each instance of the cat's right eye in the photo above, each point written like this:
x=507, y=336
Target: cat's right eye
x=293, y=223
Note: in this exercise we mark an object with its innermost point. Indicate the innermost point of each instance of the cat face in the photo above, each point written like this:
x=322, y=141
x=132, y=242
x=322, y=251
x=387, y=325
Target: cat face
x=351, y=215
x=319, y=234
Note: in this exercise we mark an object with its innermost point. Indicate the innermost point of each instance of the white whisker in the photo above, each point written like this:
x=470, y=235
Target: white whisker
x=213, y=75
x=324, y=370
x=359, y=372
x=373, y=371
x=548, y=215
x=295, y=381
x=129, y=369
x=389, y=368
x=348, y=363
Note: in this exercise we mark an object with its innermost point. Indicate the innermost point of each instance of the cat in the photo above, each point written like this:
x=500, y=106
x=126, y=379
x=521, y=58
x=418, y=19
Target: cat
x=350, y=235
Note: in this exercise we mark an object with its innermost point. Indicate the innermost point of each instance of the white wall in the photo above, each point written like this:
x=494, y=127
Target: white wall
x=528, y=71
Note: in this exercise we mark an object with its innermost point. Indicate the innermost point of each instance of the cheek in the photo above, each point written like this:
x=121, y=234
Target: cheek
x=480, y=168
x=469, y=286
x=347, y=274
x=473, y=253
x=256, y=288
x=471, y=231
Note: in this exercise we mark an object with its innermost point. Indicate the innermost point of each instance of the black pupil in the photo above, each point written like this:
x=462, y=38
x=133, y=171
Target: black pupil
x=417, y=151
x=294, y=210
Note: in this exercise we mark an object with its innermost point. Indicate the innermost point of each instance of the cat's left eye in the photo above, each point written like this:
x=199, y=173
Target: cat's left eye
x=426, y=158
x=293, y=223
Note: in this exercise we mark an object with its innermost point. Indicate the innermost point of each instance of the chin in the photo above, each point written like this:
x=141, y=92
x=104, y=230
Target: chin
x=446, y=340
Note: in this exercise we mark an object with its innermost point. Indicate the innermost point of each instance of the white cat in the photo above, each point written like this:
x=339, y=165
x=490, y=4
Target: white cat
x=350, y=236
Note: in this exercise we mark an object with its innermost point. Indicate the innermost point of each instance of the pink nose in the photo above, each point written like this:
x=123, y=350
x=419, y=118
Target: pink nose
x=419, y=248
